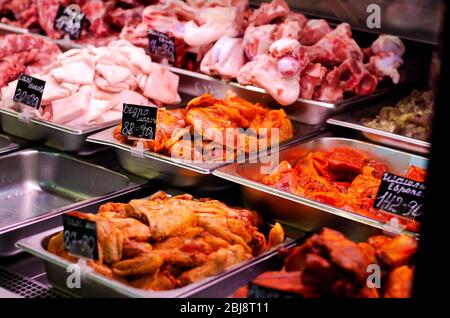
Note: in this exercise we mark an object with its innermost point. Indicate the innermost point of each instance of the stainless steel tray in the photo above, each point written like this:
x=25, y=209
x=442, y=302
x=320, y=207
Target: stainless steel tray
x=7, y=145
x=6, y=28
x=96, y=285
x=37, y=186
x=177, y=172
x=353, y=121
x=305, y=111
x=60, y=137
x=306, y=214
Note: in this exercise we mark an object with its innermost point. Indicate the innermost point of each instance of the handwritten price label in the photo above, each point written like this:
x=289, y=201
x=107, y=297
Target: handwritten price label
x=29, y=91
x=139, y=121
x=80, y=236
x=70, y=20
x=161, y=45
x=401, y=196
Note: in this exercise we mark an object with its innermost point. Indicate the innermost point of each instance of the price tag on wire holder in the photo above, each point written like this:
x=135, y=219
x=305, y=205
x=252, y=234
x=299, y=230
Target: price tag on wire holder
x=80, y=236
x=70, y=20
x=161, y=45
x=400, y=196
x=29, y=91
x=139, y=121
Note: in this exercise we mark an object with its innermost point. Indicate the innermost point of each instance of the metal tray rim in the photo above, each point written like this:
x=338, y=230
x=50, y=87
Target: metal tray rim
x=335, y=120
x=100, y=138
x=65, y=129
x=32, y=245
x=329, y=105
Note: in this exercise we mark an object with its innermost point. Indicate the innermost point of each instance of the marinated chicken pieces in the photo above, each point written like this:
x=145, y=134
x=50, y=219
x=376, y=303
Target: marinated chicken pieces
x=342, y=177
x=164, y=242
x=330, y=265
x=228, y=128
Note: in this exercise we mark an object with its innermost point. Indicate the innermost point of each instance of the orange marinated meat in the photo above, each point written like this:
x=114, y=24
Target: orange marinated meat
x=228, y=128
x=341, y=177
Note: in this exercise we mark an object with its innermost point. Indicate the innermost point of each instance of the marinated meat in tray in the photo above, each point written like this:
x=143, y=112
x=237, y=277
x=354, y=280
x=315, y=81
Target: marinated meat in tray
x=163, y=242
x=410, y=117
x=89, y=86
x=220, y=124
x=342, y=177
x=24, y=53
x=330, y=265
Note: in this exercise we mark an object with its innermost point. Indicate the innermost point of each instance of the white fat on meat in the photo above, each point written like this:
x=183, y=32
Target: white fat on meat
x=113, y=74
x=263, y=72
x=78, y=72
x=225, y=58
x=160, y=85
x=214, y=23
x=90, y=85
x=129, y=97
x=69, y=108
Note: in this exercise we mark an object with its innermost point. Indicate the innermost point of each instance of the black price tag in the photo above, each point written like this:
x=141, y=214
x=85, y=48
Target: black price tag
x=70, y=20
x=256, y=291
x=80, y=236
x=401, y=196
x=161, y=45
x=29, y=91
x=139, y=121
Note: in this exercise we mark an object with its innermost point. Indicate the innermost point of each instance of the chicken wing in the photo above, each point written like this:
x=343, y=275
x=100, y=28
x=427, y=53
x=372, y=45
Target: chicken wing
x=216, y=263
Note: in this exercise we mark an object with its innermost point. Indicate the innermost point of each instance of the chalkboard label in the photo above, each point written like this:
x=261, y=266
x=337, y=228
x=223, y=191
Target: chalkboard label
x=139, y=121
x=256, y=291
x=80, y=236
x=29, y=91
x=161, y=45
x=70, y=20
x=401, y=196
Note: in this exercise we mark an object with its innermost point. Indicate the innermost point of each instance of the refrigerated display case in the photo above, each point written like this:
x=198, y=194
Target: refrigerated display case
x=368, y=115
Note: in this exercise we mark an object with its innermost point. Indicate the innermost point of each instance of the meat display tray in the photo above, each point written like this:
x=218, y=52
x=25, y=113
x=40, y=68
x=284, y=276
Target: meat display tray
x=6, y=29
x=6, y=145
x=177, y=172
x=59, y=137
x=306, y=214
x=352, y=120
x=305, y=111
x=37, y=186
x=96, y=285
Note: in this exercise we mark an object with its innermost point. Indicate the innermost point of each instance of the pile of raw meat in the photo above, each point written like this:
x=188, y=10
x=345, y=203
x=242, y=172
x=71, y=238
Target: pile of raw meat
x=105, y=19
x=89, y=86
x=24, y=53
x=271, y=47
